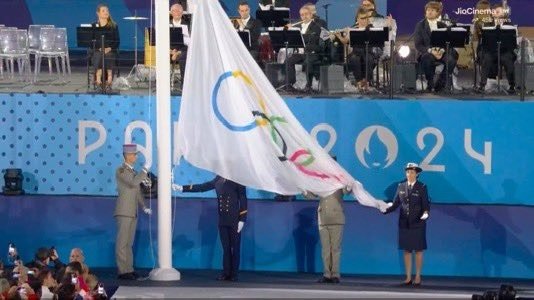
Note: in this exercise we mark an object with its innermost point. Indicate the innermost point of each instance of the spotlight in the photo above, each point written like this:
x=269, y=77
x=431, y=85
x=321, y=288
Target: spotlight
x=404, y=51
x=13, y=182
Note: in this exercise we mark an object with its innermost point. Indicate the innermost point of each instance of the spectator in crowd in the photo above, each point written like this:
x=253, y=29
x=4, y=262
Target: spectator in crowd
x=43, y=257
x=76, y=255
x=48, y=284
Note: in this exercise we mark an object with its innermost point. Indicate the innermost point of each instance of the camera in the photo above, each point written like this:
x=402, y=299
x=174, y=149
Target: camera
x=51, y=251
x=74, y=279
x=22, y=291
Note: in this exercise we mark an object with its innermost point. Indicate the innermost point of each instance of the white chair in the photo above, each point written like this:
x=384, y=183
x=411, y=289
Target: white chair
x=14, y=47
x=53, y=45
x=34, y=33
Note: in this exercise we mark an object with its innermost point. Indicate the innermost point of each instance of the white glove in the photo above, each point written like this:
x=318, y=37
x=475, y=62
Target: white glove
x=147, y=211
x=424, y=216
x=383, y=208
x=240, y=226
x=146, y=168
x=178, y=188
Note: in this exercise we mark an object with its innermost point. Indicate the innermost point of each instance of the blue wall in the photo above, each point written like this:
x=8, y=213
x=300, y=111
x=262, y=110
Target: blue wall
x=373, y=140
x=463, y=240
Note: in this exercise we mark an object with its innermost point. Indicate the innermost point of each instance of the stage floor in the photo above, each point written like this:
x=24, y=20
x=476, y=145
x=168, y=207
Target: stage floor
x=76, y=83
x=202, y=284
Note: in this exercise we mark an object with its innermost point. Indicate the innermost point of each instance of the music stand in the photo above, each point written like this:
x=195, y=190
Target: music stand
x=135, y=20
x=368, y=37
x=286, y=39
x=273, y=18
x=85, y=39
x=448, y=38
x=497, y=39
x=245, y=38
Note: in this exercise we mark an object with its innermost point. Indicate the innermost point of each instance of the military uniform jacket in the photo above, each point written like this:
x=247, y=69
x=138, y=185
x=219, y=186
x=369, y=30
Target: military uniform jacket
x=128, y=186
x=231, y=196
x=330, y=210
x=413, y=204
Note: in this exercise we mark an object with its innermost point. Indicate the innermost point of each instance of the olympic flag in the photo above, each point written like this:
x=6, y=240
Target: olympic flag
x=233, y=122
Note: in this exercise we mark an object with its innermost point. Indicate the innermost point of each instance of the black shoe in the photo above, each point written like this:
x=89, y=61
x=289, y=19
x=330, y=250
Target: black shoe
x=127, y=276
x=417, y=284
x=135, y=275
x=223, y=277
x=335, y=280
x=511, y=90
x=232, y=278
x=406, y=283
x=324, y=280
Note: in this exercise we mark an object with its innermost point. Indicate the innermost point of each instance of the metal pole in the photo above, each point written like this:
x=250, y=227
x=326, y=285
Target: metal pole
x=165, y=271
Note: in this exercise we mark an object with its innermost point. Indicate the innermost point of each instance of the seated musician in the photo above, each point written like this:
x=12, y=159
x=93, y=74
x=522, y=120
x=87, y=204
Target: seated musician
x=177, y=20
x=316, y=18
x=271, y=4
x=488, y=57
x=311, y=53
x=108, y=50
x=247, y=22
x=356, y=60
x=379, y=21
x=429, y=57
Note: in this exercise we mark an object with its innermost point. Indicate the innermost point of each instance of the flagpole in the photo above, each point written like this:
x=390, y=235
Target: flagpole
x=165, y=271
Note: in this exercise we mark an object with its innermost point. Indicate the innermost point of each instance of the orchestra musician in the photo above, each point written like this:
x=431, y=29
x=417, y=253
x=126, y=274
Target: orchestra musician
x=177, y=20
x=429, y=57
x=270, y=4
x=109, y=49
x=311, y=32
x=316, y=18
x=356, y=60
x=253, y=26
x=488, y=58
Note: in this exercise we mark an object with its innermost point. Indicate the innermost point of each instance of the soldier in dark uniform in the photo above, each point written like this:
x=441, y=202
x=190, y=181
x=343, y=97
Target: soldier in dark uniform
x=412, y=197
x=232, y=204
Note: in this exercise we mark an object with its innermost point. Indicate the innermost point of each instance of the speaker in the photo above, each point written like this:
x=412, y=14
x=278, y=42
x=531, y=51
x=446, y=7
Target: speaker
x=276, y=73
x=529, y=76
x=332, y=79
x=404, y=77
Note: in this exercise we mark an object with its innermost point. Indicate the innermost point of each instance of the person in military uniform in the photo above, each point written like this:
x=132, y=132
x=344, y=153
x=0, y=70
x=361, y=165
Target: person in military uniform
x=412, y=197
x=130, y=195
x=232, y=207
x=331, y=219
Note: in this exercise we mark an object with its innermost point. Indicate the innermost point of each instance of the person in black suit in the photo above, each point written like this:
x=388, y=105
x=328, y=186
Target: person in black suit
x=269, y=4
x=311, y=33
x=110, y=47
x=488, y=58
x=412, y=197
x=232, y=207
x=429, y=57
x=247, y=22
x=179, y=54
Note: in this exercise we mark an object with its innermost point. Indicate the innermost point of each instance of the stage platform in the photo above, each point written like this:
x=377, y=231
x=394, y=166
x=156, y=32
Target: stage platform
x=202, y=284
x=76, y=83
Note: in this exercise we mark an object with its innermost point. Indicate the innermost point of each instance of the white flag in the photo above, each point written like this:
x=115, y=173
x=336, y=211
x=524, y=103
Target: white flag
x=233, y=122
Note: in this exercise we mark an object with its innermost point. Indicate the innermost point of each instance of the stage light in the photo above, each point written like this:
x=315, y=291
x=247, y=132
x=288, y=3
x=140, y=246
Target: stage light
x=13, y=182
x=404, y=51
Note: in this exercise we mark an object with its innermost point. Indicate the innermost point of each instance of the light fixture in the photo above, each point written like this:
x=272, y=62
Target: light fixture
x=404, y=51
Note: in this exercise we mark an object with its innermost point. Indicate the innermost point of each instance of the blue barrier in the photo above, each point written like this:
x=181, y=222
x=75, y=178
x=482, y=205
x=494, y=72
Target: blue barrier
x=463, y=240
x=473, y=152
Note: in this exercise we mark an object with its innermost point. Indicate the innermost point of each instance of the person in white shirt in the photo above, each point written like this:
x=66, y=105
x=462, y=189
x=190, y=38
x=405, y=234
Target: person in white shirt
x=179, y=54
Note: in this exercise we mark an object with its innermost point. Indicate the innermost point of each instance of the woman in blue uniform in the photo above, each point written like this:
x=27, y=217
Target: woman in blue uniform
x=232, y=207
x=412, y=197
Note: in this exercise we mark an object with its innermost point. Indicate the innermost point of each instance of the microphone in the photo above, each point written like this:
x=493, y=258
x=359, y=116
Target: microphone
x=325, y=6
